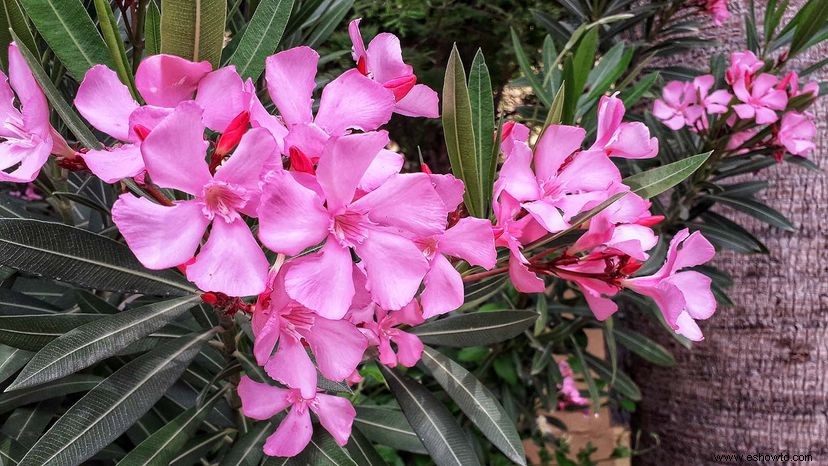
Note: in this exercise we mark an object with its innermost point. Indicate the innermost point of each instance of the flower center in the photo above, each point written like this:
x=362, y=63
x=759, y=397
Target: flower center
x=224, y=200
x=296, y=318
x=349, y=228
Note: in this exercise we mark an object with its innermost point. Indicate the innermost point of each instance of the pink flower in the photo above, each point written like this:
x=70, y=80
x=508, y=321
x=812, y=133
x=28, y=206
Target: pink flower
x=717, y=9
x=382, y=61
x=262, y=401
x=163, y=81
x=161, y=236
x=380, y=227
x=513, y=232
x=470, y=239
x=630, y=140
x=682, y=296
x=715, y=102
x=351, y=101
x=791, y=81
x=380, y=327
x=678, y=106
x=337, y=345
x=26, y=132
x=569, y=390
x=761, y=101
x=737, y=140
x=796, y=133
x=743, y=65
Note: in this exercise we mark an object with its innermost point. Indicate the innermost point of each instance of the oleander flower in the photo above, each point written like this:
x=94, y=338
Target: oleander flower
x=760, y=99
x=796, y=133
x=380, y=327
x=616, y=138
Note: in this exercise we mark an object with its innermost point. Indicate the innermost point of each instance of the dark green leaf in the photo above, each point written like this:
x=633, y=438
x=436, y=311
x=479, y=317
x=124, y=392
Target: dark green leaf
x=11, y=451
x=631, y=97
x=730, y=239
x=70, y=32
x=110, y=408
x=193, y=29
x=644, y=347
x=72, y=384
x=323, y=451
x=13, y=18
x=247, y=450
x=152, y=29
x=34, y=331
x=442, y=436
x=362, y=451
x=477, y=402
x=594, y=394
x=476, y=328
x=458, y=128
x=388, y=427
x=527, y=71
x=755, y=209
x=261, y=37
x=623, y=383
x=91, y=304
x=67, y=253
x=13, y=302
x=12, y=360
x=95, y=341
x=657, y=180
x=482, y=108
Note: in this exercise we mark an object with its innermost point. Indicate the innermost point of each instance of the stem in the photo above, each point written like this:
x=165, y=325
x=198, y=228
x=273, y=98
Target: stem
x=156, y=194
x=481, y=275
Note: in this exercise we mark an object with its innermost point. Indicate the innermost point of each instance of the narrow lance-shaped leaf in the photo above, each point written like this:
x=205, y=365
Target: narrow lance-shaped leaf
x=12, y=360
x=362, y=451
x=477, y=402
x=77, y=256
x=322, y=450
x=12, y=18
x=755, y=209
x=442, y=436
x=459, y=133
x=482, y=107
x=623, y=384
x=247, y=450
x=70, y=32
x=152, y=29
x=160, y=448
x=657, y=180
x=261, y=37
x=475, y=328
x=32, y=332
x=112, y=38
x=193, y=29
x=644, y=347
x=115, y=404
x=73, y=384
x=388, y=427
x=526, y=69
x=68, y=115
x=90, y=343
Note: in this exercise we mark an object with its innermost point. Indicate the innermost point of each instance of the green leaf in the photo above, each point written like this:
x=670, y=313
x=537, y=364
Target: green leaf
x=644, y=347
x=526, y=69
x=755, y=209
x=13, y=302
x=110, y=408
x=261, y=37
x=70, y=33
x=72, y=384
x=458, y=127
x=477, y=402
x=640, y=88
x=200, y=447
x=91, y=304
x=12, y=360
x=482, y=108
x=333, y=15
x=95, y=341
x=247, y=450
x=11, y=451
x=32, y=332
x=809, y=20
x=362, y=451
x=388, y=427
x=445, y=441
x=27, y=423
x=69, y=117
x=323, y=451
x=160, y=448
x=53, y=250
x=594, y=394
x=193, y=29
x=729, y=239
x=657, y=180
x=112, y=38
x=12, y=17
x=152, y=29
x=555, y=110
x=475, y=328
x=623, y=384
x=611, y=67
x=576, y=72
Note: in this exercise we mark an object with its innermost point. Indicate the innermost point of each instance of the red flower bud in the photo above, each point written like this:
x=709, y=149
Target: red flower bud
x=209, y=298
x=299, y=162
x=401, y=86
x=362, y=65
x=425, y=168
x=233, y=134
x=142, y=131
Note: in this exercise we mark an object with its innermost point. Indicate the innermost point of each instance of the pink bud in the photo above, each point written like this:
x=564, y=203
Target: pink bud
x=401, y=86
x=233, y=134
x=300, y=162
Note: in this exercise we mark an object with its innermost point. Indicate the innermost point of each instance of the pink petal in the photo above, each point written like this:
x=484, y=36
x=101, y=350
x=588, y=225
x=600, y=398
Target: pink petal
x=31, y=159
x=745, y=111
x=695, y=250
x=385, y=60
x=308, y=138
x=148, y=117
x=522, y=278
x=443, y=288
x=115, y=164
x=323, y=281
x=353, y=101
x=589, y=171
x=395, y=267
x=421, y=101
x=337, y=346
x=336, y=414
x=261, y=401
x=385, y=165
x=632, y=141
x=291, y=217
x=516, y=176
x=292, y=366
x=547, y=214
x=221, y=95
x=699, y=299
x=687, y=327
x=409, y=348
x=343, y=164
x=33, y=103
x=260, y=118
x=290, y=81
x=407, y=202
x=292, y=435
x=267, y=335
x=159, y=236
x=167, y=80
x=105, y=102
x=7, y=108
x=558, y=143
x=470, y=239
x=244, y=167
x=610, y=114
x=174, y=151
x=450, y=190
x=231, y=262
x=602, y=307
x=358, y=49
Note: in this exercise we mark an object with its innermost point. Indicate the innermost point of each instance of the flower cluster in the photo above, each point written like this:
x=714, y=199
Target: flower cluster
x=760, y=109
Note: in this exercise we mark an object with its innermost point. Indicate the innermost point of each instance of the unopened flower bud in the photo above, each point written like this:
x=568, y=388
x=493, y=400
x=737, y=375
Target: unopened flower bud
x=401, y=86
x=233, y=134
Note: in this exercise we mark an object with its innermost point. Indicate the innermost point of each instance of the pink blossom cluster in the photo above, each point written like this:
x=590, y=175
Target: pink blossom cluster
x=751, y=101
